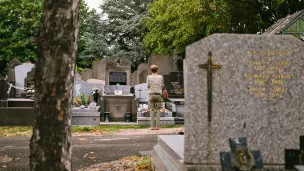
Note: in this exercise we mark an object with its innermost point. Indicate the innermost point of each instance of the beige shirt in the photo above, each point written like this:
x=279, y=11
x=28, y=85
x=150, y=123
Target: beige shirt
x=155, y=83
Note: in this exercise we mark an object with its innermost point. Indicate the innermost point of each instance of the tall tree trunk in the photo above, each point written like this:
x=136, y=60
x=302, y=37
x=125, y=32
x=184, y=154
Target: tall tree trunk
x=54, y=78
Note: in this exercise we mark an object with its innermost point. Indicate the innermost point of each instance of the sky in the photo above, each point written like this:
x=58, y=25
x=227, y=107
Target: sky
x=93, y=3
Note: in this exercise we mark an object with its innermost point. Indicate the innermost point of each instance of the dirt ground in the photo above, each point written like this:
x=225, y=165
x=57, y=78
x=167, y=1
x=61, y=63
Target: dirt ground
x=129, y=164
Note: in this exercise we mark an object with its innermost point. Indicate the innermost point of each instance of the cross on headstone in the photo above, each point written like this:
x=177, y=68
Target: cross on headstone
x=210, y=66
x=294, y=157
x=240, y=158
x=140, y=90
x=178, y=76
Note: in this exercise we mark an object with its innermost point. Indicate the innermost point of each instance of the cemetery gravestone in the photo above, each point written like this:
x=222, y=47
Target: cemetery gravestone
x=86, y=74
x=11, y=75
x=257, y=93
x=142, y=74
x=174, y=83
x=165, y=63
x=134, y=78
x=11, y=69
x=20, y=74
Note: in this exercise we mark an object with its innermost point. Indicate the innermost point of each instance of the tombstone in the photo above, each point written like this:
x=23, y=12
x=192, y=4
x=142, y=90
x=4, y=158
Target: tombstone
x=11, y=69
x=165, y=63
x=142, y=92
x=20, y=74
x=118, y=102
x=118, y=71
x=87, y=116
x=86, y=74
x=77, y=76
x=134, y=78
x=142, y=74
x=99, y=70
x=174, y=83
x=11, y=75
x=240, y=85
x=29, y=84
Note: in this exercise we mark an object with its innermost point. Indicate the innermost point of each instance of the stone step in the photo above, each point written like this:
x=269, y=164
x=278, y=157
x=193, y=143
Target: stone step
x=168, y=153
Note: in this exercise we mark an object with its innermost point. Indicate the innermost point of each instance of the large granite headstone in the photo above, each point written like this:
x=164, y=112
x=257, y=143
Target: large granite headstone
x=20, y=74
x=257, y=93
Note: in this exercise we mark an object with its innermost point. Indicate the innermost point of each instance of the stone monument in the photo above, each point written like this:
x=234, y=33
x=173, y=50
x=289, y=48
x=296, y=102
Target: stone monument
x=238, y=86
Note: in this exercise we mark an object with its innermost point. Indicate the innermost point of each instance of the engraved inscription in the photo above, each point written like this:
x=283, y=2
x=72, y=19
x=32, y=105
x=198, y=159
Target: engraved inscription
x=268, y=74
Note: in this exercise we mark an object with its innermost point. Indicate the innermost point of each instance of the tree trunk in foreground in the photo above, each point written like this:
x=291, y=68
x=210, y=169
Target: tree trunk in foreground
x=54, y=78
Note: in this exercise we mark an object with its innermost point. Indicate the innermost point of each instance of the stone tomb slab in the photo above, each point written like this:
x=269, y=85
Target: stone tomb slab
x=85, y=116
x=257, y=93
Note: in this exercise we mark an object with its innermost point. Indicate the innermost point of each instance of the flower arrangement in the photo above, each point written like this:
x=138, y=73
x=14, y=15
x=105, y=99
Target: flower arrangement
x=77, y=101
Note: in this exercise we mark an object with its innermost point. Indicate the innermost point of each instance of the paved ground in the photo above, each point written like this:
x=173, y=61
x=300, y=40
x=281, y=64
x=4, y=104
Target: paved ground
x=87, y=149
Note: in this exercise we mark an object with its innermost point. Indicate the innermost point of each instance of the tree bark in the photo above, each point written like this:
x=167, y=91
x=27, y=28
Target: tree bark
x=54, y=78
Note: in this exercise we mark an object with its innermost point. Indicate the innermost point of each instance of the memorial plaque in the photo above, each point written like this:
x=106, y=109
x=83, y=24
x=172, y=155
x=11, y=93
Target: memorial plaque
x=118, y=78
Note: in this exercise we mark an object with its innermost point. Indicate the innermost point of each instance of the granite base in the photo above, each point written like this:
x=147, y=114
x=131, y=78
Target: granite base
x=168, y=155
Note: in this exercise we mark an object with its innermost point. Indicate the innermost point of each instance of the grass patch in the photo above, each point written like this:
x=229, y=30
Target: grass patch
x=143, y=163
x=8, y=131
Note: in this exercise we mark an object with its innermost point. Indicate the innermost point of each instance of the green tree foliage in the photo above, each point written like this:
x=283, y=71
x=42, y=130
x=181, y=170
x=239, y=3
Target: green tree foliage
x=125, y=27
x=255, y=16
x=19, y=28
x=174, y=24
x=92, y=39
x=19, y=23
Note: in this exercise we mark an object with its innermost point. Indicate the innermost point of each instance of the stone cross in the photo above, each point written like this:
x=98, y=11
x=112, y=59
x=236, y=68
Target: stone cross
x=294, y=157
x=140, y=90
x=178, y=76
x=240, y=158
x=210, y=66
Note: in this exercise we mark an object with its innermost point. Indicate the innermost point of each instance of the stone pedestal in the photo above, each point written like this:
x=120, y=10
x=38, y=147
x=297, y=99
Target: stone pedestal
x=118, y=106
